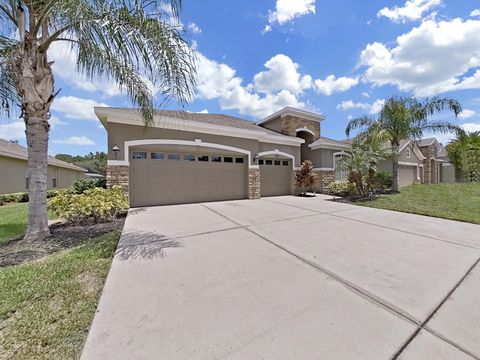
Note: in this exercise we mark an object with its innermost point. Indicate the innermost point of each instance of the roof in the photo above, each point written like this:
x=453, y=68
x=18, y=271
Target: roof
x=186, y=121
x=426, y=142
x=326, y=143
x=294, y=112
x=12, y=150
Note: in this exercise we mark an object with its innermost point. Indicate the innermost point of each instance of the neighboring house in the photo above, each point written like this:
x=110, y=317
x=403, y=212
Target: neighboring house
x=192, y=157
x=13, y=170
x=447, y=171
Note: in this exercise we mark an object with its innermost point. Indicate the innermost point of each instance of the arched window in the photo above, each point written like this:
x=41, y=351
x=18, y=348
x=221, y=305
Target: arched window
x=340, y=174
x=408, y=153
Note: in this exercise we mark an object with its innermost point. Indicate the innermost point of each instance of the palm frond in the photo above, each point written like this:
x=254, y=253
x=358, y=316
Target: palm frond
x=361, y=123
x=436, y=105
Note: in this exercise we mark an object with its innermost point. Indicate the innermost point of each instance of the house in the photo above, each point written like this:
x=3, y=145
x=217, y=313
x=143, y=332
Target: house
x=13, y=170
x=192, y=157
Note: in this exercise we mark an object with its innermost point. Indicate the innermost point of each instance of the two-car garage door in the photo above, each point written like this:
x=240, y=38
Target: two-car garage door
x=161, y=178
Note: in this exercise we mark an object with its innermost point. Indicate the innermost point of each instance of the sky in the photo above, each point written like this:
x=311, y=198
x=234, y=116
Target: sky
x=340, y=58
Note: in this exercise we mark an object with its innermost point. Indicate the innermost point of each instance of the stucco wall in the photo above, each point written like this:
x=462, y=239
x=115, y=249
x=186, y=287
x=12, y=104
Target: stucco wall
x=119, y=133
x=13, y=176
x=323, y=158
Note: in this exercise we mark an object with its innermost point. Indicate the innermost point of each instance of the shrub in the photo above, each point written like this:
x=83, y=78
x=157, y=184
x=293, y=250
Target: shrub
x=82, y=185
x=341, y=188
x=305, y=177
x=13, y=198
x=51, y=193
x=98, y=204
x=383, y=180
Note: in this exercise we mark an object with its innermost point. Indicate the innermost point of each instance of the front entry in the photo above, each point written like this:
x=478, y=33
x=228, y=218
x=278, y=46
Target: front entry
x=275, y=177
x=174, y=177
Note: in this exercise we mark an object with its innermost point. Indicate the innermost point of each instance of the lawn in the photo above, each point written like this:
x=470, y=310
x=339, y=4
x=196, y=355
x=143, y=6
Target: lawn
x=459, y=202
x=47, y=306
x=13, y=221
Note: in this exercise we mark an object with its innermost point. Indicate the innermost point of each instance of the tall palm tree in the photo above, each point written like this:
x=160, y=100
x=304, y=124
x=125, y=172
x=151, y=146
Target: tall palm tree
x=404, y=118
x=128, y=41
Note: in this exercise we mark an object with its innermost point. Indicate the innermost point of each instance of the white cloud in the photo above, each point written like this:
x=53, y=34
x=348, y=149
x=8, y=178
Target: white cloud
x=373, y=108
x=445, y=138
x=76, y=108
x=366, y=94
x=75, y=140
x=204, y=111
x=12, y=131
x=432, y=58
x=54, y=120
x=410, y=11
x=466, y=114
x=282, y=74
x=475, y=13
x=333, y=85
x=194, y=29
x=287, y=10
x=471, y=127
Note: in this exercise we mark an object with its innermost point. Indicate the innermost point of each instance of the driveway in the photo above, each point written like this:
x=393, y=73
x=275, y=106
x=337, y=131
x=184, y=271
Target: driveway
x=289, y=278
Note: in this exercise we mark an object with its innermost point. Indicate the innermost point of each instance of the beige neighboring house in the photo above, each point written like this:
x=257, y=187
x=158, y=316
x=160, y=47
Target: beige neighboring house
x=13, y=170
x=193, y=157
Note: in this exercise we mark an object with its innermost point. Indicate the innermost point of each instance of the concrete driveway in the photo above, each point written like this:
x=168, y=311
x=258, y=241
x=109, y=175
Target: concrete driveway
x=289, y=278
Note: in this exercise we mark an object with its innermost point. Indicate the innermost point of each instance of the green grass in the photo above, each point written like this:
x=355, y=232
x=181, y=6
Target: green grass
x=13, y=221
x=46, y=307
x=448, y=201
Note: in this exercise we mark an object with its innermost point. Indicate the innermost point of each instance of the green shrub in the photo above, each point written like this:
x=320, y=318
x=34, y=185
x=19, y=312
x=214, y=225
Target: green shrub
x=13, y=198
x=52, y=193
x=82, y=185
x=341, y=188
x=383, y=180
x=96, y=204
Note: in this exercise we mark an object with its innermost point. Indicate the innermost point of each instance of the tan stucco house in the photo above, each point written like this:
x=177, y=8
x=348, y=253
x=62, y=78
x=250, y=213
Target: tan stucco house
x=13, y=170
x=191, y=157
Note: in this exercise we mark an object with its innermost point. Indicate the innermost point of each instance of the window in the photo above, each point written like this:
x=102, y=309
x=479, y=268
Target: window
x=54, y=178
x=27, y=182
x=285, y=163
x=260, y=162
x=157, y=156
x=340, y=173
x=216, y=159
x=408, y=153
x=139, y=155
x=173, y=156
x=189, y=157
x=203, y=158
x=239, y=160
x=277, y=162
x=268, y=162
x=228, y=159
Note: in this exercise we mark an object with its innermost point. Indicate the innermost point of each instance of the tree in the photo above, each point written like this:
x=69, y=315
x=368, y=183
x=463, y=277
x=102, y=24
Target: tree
x=305, y=177
x=131, y=42
x=464, y=153
x=94, y=163
x=404, y=118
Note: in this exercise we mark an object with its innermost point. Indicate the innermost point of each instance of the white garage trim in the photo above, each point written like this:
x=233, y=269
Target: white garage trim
x=279, y=153
x=407, y=163
x=306, y=130
x=128, y=144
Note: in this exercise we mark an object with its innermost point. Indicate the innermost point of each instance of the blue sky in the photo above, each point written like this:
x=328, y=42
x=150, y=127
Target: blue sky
x=341, y=58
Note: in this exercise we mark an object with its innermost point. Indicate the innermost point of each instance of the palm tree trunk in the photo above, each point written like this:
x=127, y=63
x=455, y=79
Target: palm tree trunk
x=37, y=143
x=395, y=169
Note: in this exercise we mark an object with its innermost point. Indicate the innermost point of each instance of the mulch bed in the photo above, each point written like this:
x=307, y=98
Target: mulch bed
x=63, y=236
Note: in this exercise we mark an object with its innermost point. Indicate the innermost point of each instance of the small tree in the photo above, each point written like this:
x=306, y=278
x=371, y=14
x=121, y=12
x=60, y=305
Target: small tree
x=305, y=177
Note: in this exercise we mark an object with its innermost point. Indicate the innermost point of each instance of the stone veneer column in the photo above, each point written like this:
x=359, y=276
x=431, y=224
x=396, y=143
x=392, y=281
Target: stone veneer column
x=118, y=175
x=254, y=184
x=325, y=177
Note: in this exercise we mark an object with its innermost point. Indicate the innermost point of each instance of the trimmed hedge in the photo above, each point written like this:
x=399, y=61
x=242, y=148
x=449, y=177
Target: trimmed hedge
x=22, y=197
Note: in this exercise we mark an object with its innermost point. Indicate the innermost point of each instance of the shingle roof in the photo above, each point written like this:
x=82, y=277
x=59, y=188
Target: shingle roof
x=330, y=143
x=9, y=149
x=207, y=118
x=426, y=142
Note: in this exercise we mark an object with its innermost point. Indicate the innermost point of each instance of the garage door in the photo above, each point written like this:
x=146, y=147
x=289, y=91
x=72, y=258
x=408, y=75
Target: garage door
x=275, y=177
x=406, y=175
x=162, y=178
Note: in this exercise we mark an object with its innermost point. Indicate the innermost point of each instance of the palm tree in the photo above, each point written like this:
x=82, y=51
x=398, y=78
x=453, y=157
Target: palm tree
x=464, y=153
x=404, y=118
x=128, y=41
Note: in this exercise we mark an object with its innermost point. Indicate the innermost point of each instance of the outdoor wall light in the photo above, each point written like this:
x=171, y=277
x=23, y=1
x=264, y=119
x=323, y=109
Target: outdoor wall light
x=255, y=159
x=116, y=151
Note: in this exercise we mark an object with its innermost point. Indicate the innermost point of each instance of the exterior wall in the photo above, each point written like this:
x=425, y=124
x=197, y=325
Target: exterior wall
x=413, y=157
x=323, y=158
x=119, y=133
x=118, y=175
x=324, y=178
x=290, y=124
x=13, y=176
x=254, y=184
x=447, y=173
x=431, y=173
x=275, y=125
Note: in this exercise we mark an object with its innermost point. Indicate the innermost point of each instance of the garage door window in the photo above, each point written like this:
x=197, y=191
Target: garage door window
x=228, y=159
x=189, y=157
x=139, y=155
x=260, y=162
x=284, y=163
x=268, y=162
x=157, y=156
x=239, y=160
x=203, y=158
x=278, y=162
x=173, y=156
x=216, y=159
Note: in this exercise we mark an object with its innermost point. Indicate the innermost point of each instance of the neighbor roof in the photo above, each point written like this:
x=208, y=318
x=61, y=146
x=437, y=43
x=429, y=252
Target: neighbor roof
x=426, y=142
x=12, y=150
